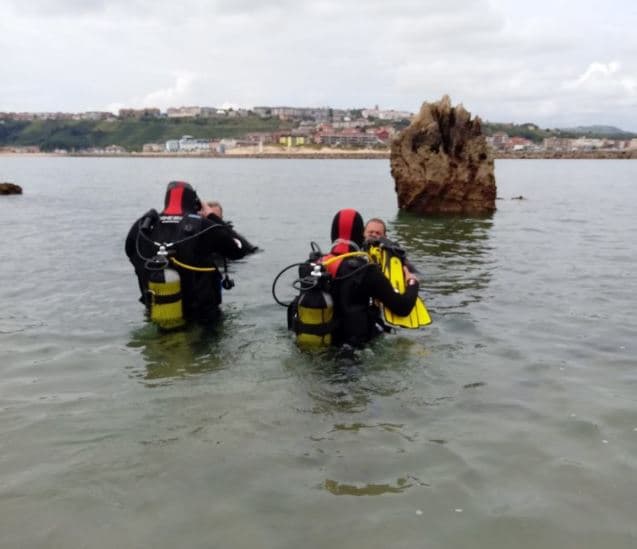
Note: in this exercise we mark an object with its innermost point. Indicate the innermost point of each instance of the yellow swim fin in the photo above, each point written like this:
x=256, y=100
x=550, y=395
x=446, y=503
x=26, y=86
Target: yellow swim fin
x=419, y=316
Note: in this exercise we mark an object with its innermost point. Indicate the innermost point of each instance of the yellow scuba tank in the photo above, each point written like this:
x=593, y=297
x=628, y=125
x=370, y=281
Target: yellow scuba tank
x=314, y=319
x=166, y=310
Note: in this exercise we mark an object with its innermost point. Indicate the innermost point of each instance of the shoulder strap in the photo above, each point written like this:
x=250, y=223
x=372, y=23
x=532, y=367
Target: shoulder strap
x=332, y=262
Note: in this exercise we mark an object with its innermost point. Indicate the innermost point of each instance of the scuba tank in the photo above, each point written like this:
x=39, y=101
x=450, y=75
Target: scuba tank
x=314, y=318
x=164, y=293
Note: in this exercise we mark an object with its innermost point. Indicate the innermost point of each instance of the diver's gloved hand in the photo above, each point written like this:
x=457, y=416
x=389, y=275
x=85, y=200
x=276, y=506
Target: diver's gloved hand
x=410, y=278
x=388, y=244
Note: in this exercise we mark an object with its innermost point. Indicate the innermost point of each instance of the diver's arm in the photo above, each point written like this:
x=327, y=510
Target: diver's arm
x=130, y=241
x=249, y=247
x=380, y=288
x=245, y=243
x=133, y=256
x=221, y=239
x=144, y=223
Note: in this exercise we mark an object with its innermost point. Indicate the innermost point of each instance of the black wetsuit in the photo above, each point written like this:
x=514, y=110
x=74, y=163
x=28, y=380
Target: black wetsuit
x=354, y=287
x=205, y=239
x=245, y=243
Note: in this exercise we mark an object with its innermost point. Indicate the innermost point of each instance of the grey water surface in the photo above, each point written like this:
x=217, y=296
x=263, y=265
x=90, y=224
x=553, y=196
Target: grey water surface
x=509, y=422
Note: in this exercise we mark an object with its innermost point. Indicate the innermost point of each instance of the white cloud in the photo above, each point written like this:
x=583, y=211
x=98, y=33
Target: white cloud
x=175, y=95
x=602, y=85
x=503, y=60
x=595, y=73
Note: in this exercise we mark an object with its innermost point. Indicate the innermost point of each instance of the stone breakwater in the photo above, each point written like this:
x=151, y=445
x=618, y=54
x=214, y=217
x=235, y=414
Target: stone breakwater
x=384, y=154
x=593, y=155
x=353, y=154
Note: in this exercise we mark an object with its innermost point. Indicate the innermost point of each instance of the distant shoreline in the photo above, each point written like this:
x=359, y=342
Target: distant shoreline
x=572, y=155
x=341, y=155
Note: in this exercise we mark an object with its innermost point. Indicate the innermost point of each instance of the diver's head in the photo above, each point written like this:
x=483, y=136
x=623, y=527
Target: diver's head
x=347, y=231
x=215, y=207
x=181, y=199
x=375, y=228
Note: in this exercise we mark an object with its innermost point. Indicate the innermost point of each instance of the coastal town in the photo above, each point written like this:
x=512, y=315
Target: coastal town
x=305, y=130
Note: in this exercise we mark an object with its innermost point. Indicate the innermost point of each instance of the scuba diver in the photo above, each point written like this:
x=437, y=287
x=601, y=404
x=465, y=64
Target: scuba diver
x=173, y=255
x=340, y=292
x=375, y=234
x=375, y=228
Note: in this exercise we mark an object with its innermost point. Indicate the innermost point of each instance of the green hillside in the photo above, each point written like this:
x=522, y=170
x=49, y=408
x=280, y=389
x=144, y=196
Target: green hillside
x=130, y=134
x=536, y=134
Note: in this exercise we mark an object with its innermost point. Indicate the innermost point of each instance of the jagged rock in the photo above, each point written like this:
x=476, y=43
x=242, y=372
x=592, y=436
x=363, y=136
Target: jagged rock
x=10, y=188
x=441, y=164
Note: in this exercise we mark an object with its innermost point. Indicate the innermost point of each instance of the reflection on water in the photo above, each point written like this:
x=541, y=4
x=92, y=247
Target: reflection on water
x=388, y=427
x=352, y=381
x=332, y=378
x=341, y=489
x=453, y=254
x=177, y=354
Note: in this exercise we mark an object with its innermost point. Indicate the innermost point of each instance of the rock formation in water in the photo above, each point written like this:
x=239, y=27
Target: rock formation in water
x=441, y=164
x=10, y=188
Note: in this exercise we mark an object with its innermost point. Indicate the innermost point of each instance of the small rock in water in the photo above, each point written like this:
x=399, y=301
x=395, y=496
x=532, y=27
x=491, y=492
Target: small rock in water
x=10, y=188
x=418, y=512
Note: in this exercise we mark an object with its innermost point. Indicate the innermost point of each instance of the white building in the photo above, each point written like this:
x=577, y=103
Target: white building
x=189, y=144
x=172, y=145
x=587, y=144
x=183, y=112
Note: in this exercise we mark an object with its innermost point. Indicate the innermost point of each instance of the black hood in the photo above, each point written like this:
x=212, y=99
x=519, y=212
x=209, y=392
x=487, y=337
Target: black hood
x=181, y=199
x=347, y=231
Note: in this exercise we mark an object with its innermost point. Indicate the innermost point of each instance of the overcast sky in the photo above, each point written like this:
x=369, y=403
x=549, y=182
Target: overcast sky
x=557, y=63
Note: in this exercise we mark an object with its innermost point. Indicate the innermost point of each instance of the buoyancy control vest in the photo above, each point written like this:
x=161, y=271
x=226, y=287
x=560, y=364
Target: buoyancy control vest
x=181, y=282
x=356, y=316
x=331, y=308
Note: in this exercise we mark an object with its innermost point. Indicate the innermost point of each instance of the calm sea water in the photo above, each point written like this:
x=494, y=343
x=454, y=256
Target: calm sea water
x=511, y=421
